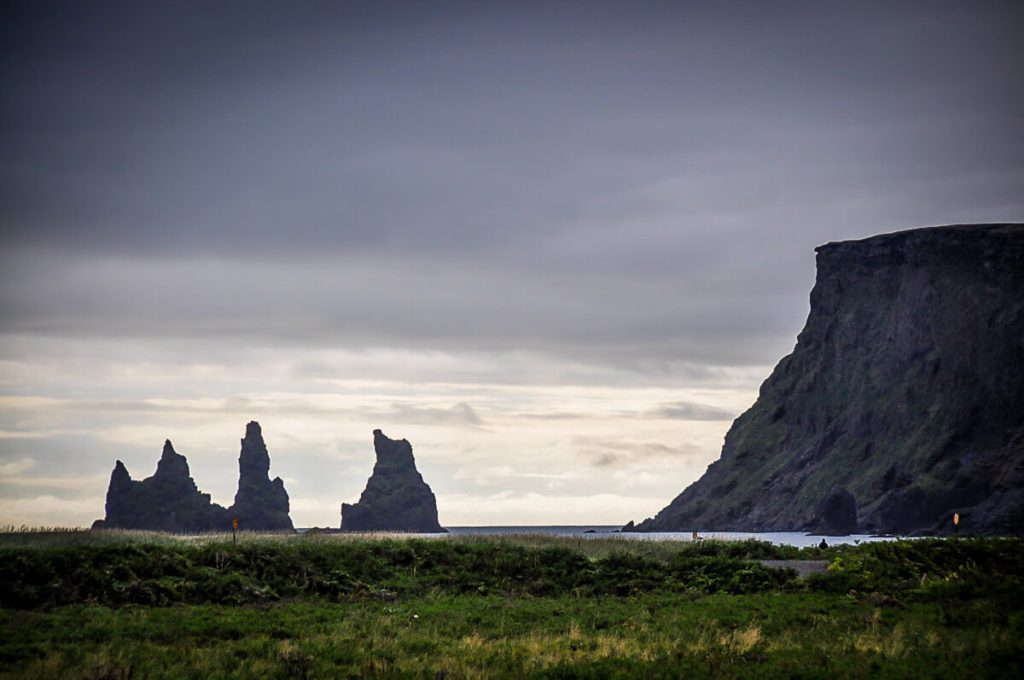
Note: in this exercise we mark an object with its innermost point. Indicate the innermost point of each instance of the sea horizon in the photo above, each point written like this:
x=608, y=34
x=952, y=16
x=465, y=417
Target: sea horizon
x=591, y=531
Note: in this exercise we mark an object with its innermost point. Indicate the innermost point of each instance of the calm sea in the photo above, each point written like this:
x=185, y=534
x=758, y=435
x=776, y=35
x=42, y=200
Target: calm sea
x=797, y=539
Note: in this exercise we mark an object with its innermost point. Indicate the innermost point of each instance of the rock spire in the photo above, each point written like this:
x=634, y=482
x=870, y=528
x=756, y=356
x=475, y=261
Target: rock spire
x=396, y=498
x=167, y=501
x=260, y=503
x=171, y=501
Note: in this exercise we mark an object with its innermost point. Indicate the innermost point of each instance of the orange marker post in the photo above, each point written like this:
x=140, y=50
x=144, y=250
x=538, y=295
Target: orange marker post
x=956, y=523
x=234, y=528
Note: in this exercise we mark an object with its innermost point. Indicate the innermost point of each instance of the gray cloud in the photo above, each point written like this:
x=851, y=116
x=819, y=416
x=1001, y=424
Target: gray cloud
x=459, y=414
x=481, y=129
x=627, y=182
x=354, y=302
x=688, y=410
x=63, y=455
x=83, y=413
x=606, y=452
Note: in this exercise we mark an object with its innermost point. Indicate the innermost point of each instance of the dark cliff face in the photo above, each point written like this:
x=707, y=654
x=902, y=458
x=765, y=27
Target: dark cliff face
x=260, y=504
x=902, y=403
x=167, y=501
x=171, y=501
x=396, y=498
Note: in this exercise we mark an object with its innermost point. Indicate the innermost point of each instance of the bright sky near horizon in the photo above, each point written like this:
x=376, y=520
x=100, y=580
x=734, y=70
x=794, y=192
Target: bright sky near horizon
x=557, y=246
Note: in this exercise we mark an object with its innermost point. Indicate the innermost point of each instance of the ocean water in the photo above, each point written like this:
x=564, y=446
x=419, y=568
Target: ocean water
x=793, y=538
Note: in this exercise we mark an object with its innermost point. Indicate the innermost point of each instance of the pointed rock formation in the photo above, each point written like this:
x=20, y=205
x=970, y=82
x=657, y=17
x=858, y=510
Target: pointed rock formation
x=902, y=403
x=170, y=500
x=396, y=498
x=260, y=504
x=119, y=495
x=167, y=501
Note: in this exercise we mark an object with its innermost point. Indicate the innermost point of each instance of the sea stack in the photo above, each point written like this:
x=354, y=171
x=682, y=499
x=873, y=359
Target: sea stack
x=167, y=501
x=396, y=498
x=901, y=404
x=260, y=504
x=171, y=501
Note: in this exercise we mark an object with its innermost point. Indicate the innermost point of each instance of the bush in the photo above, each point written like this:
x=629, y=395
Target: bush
x=218, y=573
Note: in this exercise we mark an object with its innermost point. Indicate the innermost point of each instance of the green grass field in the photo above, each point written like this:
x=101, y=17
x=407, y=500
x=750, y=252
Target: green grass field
x=113, y=605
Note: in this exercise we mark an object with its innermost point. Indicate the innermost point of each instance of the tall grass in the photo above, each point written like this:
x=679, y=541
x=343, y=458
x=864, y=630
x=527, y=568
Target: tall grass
x=469, y=636
x=593, y=547
x=107, y=605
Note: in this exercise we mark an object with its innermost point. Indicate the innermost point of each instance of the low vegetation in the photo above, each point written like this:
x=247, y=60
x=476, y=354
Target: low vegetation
x=111, y=605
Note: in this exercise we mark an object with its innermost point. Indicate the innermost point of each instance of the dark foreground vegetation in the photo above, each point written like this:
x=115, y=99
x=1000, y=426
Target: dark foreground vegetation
x=113, y=606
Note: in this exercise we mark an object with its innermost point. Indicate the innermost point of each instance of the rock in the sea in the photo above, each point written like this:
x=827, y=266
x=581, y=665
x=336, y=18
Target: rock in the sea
x=396, y=498
x=902, y=402
x=260, y=504
x=167, y=501
x=170, y=500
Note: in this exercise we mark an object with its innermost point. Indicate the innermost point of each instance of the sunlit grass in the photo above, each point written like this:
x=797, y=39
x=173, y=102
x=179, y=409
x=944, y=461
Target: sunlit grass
x=474, y=637
x=462, y=606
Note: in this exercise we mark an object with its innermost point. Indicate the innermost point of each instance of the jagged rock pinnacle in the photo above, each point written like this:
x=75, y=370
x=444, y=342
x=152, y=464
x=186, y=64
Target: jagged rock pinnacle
x=120, y=473
x=396, y=498
x=167, y=501
x=260, y=504
x=254, y=458
x=171, y=501
x=172, y=465
x=392, y=453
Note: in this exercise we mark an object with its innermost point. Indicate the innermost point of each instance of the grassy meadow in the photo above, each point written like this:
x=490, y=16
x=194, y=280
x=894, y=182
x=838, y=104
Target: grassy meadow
x=80, y=604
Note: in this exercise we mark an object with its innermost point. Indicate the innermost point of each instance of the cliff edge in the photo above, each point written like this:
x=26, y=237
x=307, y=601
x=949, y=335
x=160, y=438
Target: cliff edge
x=902, y=402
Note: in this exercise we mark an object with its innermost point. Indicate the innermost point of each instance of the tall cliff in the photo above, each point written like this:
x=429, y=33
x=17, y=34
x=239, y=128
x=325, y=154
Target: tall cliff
x=259, y=503
x=902, y=402
x=396, y=498
x=171, y=501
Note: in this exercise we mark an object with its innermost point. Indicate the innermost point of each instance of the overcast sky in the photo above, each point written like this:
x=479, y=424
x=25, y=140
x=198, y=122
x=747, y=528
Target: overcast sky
x=557, y=246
